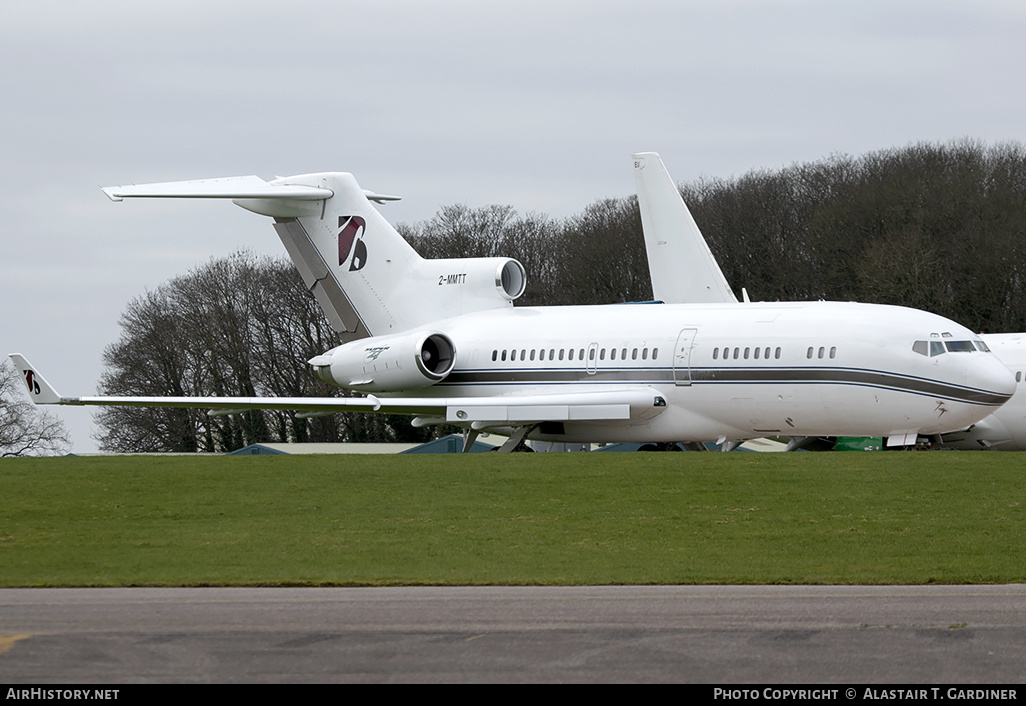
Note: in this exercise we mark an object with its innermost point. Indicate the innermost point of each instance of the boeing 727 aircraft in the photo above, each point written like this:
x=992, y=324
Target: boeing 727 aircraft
x=440, y=340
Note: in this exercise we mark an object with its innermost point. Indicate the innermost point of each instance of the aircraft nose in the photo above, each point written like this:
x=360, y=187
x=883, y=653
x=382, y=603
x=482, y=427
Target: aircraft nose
x=989, y=375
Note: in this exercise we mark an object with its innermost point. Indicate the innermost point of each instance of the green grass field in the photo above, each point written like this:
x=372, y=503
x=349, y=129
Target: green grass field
x=671, y=518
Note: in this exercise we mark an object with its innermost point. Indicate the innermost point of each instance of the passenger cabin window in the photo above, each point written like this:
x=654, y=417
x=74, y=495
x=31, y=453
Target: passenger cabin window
x=727, y=353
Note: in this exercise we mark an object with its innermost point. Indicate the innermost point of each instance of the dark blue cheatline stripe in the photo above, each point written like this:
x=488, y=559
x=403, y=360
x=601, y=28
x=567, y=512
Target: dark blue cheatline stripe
x=731, y=376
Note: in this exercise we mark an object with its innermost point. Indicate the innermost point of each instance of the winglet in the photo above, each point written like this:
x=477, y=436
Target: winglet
x=39, y=389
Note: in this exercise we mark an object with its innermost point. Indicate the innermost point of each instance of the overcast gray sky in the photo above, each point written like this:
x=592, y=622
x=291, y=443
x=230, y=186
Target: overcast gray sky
x=534, y=104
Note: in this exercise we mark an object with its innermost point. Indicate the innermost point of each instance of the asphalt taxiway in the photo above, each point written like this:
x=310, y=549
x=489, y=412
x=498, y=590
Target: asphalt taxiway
x=704, y=634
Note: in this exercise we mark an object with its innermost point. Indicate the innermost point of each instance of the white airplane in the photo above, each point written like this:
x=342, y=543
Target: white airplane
x=441, y=341
x=1005, y=429
x=674, y=243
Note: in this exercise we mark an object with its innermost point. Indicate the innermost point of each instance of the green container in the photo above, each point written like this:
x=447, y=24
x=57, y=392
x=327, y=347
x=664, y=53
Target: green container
x=859, y=443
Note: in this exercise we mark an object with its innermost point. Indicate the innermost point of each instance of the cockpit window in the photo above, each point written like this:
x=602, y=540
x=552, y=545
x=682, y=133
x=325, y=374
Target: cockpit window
x=935, y=348
x=960, y=346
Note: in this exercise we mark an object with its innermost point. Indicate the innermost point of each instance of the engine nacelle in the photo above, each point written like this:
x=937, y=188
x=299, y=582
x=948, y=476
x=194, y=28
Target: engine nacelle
x=404, y=361
x=480, y=280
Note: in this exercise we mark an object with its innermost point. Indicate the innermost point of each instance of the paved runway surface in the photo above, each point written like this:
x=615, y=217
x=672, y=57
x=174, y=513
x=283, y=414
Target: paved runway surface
x=705, y=634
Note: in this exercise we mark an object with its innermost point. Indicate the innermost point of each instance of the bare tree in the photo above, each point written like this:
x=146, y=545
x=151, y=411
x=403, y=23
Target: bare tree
x=597, y=257
x=602, y=256
x=25, y=430
x=239, y=326
x=152, y=357
x=494, y=231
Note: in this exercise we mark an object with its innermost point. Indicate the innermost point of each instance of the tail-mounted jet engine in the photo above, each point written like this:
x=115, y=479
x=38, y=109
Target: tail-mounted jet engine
x=475, y=276
x=510, y=279
x=404, y=361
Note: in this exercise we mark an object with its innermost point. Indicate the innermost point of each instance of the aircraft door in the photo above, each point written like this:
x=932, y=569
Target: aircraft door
x=682, y=356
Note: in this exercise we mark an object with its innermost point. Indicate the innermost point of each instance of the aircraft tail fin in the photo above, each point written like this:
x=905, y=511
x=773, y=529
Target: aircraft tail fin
x=367, y=279
x=683, y=268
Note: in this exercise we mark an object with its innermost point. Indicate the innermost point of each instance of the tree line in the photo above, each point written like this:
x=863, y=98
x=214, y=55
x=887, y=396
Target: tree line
x=940, y=227
x=239, y=326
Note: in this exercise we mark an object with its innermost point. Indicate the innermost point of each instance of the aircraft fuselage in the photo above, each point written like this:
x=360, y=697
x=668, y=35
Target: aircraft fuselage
x=728, y=371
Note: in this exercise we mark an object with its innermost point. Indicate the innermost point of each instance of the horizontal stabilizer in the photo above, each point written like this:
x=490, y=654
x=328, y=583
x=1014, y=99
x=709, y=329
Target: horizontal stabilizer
x=241, y=187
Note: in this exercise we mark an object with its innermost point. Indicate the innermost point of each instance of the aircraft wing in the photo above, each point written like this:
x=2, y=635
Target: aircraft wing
x=480, y=412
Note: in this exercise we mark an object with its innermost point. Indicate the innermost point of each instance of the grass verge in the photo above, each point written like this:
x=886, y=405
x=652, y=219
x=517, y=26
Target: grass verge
x=569, y=519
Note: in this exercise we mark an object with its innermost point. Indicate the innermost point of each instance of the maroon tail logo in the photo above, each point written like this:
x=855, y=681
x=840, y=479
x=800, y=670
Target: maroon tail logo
x=33, y=386
x=350, y=241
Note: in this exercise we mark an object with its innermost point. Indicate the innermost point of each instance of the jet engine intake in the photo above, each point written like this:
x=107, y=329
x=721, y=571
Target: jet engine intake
x=388, y=363
x=510, y=279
